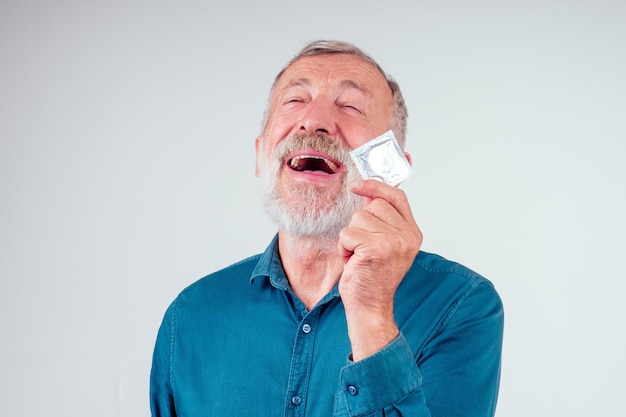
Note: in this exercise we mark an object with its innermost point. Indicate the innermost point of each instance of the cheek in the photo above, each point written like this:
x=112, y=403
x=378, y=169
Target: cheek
x=363, y=134
x=279, y=128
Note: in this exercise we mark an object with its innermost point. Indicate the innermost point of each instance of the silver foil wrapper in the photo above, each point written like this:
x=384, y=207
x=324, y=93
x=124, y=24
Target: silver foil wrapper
x=382, y=159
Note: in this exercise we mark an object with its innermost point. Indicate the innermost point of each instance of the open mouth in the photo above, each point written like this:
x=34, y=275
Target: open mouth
x=303, y=163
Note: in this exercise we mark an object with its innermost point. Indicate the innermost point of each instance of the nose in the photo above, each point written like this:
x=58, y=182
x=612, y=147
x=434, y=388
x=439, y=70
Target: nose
x=318, y=118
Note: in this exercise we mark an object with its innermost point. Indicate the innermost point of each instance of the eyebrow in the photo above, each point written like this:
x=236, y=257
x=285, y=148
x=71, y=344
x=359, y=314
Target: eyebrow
x=353, y=84
x=298, y=82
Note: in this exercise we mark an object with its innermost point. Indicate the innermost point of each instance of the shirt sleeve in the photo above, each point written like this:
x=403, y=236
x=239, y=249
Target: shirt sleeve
x=387, y=382
x=161, y=397
x=455, y=375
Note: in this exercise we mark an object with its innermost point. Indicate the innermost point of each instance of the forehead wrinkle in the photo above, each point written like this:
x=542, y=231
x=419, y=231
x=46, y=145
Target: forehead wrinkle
x=344, y=84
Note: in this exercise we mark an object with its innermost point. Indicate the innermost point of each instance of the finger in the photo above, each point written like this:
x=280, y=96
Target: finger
x=379, y=212
x=372, y=189
x=352, y=238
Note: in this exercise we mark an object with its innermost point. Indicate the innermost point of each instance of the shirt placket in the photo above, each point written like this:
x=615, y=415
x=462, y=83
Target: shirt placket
x=301, y=362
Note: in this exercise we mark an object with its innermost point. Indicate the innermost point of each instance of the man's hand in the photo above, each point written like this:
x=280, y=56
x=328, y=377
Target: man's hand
x=378, y=247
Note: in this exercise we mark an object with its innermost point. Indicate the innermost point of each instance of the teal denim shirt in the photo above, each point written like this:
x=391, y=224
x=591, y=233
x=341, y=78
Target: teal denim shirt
x=240, y=343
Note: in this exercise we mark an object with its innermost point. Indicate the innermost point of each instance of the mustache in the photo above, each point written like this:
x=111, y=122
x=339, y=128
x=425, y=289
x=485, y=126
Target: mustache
x=336, y=149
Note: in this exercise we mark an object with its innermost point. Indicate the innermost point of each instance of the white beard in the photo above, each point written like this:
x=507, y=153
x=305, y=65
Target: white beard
x=305, y=210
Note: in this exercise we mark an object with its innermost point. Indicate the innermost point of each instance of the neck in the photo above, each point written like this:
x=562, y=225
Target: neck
x=312, y=266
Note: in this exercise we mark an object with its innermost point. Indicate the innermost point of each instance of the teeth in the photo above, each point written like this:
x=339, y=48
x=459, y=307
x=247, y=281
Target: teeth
x=332, y=165
x=295, y=162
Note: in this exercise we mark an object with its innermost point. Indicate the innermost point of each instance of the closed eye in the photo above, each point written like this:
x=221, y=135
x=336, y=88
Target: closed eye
x=292, y=100
x=351, y=107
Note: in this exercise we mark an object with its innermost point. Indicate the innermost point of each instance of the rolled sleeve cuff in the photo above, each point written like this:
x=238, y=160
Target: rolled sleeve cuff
x=380, y=380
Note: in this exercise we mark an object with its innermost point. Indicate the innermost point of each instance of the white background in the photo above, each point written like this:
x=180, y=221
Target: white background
x=127, y=172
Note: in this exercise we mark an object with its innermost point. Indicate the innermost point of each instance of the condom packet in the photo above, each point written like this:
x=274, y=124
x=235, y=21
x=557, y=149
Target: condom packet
x=382, y=159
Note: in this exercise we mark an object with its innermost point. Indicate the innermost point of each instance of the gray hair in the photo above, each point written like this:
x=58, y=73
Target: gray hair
x=399, y=115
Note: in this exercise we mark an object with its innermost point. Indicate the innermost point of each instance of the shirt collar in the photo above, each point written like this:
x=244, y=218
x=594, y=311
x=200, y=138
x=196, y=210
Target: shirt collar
x=270, y=267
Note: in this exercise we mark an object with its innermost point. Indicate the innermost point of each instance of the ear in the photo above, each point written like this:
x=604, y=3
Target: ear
x=257, y=147
x=408, y=157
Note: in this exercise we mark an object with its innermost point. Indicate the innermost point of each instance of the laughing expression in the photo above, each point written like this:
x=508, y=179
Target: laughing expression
x=322, y=107
x=340, y=96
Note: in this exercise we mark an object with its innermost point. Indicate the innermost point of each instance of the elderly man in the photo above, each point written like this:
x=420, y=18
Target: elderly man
x=342, y=315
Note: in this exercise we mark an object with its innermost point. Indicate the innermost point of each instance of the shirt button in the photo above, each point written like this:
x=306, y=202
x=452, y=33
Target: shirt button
x=296, y=400
x=353, y=390
x=306, y=328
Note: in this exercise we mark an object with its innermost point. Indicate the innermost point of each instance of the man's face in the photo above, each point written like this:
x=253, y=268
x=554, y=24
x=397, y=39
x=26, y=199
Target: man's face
x=322, y=107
